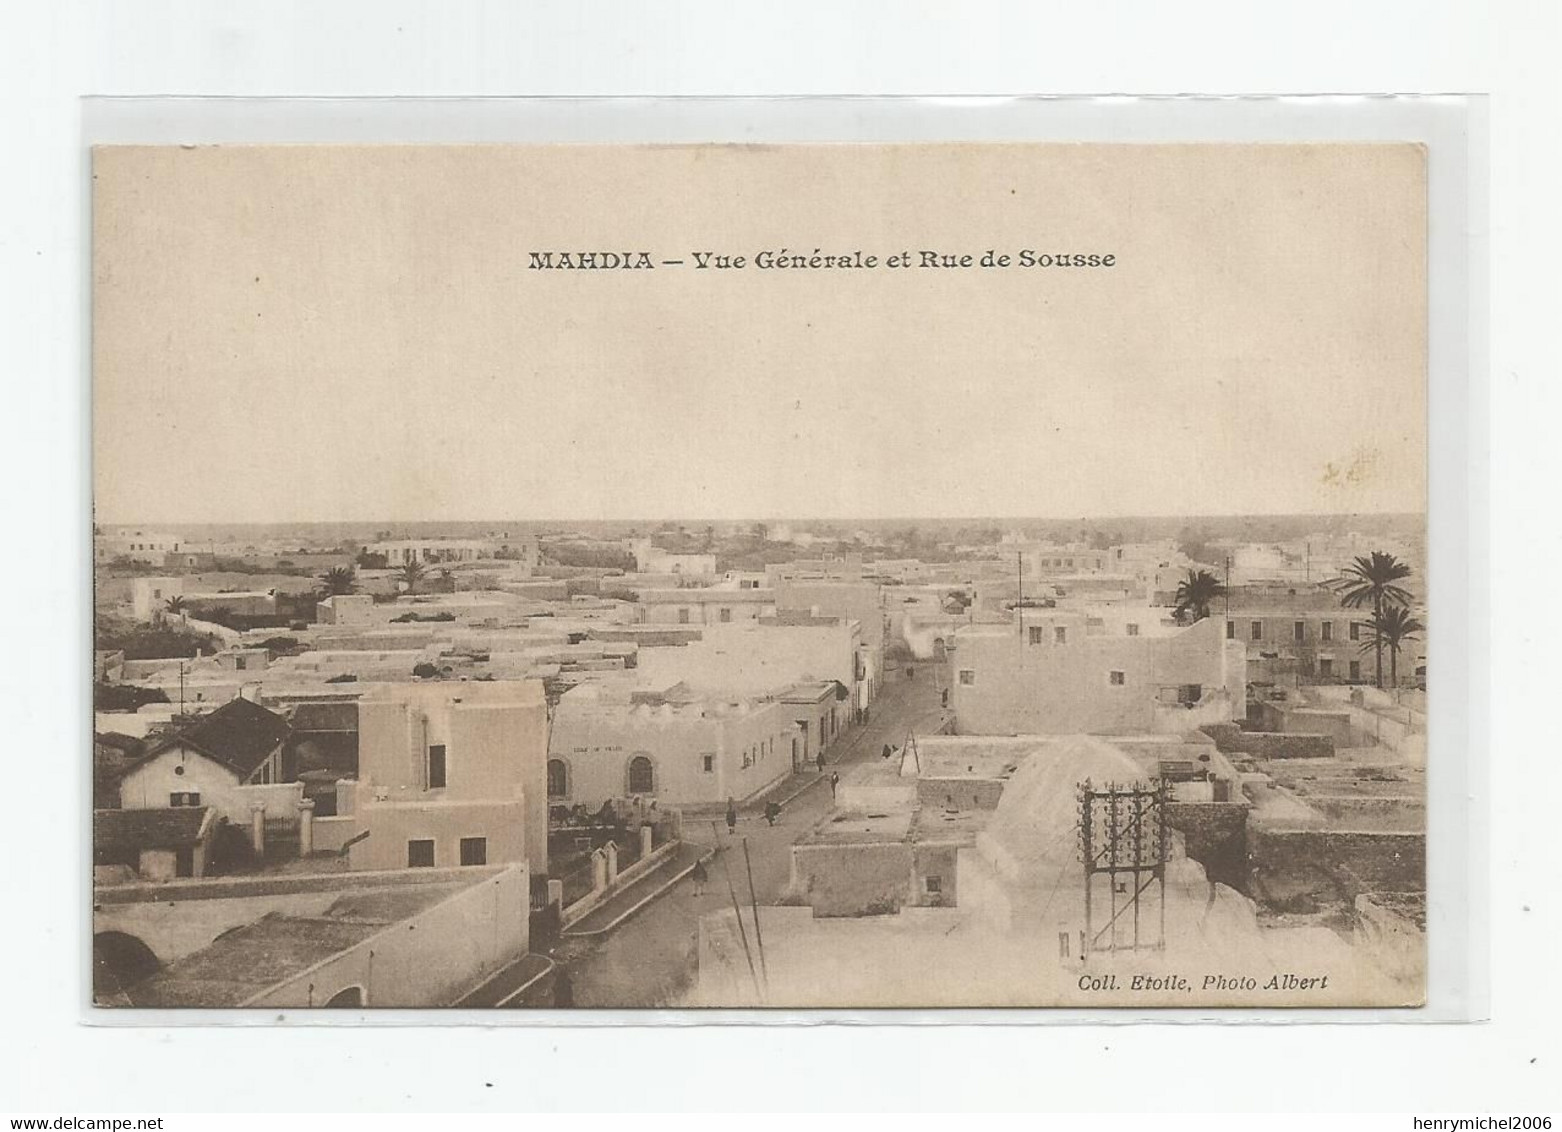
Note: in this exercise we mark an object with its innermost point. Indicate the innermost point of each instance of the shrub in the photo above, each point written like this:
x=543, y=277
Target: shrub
x=125, y=697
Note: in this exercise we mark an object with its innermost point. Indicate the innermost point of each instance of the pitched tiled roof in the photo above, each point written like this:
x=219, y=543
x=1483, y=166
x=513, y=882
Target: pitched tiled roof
x=121, y=831
x=239, y=735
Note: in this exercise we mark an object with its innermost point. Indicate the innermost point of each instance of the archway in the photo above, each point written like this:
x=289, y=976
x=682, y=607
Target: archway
x=348, y=997
x=642, y=776
x=119, y=961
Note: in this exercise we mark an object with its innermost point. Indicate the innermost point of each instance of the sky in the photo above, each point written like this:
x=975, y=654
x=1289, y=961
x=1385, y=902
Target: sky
x=354, y=334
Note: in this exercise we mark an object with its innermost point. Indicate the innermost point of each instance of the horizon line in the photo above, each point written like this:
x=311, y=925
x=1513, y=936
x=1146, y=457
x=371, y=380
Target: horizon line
x=833, y=519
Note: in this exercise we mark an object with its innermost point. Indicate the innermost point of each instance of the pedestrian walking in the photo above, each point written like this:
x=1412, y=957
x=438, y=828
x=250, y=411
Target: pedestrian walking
x=820, y=761
x=700, y=875
x=772, y=812
x=887, y=751
x=835, y=781
x=732, y=817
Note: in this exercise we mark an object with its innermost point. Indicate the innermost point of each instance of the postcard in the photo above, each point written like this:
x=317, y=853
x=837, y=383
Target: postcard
x=568, y=577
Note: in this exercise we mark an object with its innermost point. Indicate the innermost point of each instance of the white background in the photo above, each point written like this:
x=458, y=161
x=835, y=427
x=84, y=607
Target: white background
x=53, y=53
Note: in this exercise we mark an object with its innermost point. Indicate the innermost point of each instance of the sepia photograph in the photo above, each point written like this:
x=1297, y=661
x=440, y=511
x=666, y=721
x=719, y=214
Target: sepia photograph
x=788, y=576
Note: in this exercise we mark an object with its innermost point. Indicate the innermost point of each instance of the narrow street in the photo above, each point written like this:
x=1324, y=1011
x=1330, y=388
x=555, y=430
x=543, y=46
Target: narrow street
x=651, y=960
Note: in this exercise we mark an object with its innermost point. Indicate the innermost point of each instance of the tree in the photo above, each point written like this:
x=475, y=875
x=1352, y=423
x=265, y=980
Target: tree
x=1194, y=542
x=1370, y=581
x=412, y=574
x=174, y=605
x=1392, y=629
x=338, y=580
x=1196, y=593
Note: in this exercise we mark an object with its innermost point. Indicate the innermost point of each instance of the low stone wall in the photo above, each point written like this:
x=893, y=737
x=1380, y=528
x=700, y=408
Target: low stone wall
x=963, y=793
x=1380, y=814
x=1356, y=862
x=1215, y=835
x=625, y=878
x=273, y=884
x=1298, y=719
x=853, y=880
x=1270, y=744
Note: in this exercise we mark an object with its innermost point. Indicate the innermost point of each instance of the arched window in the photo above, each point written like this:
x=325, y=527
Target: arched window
x=642, y=776
x=119, y=961
x=558, y=778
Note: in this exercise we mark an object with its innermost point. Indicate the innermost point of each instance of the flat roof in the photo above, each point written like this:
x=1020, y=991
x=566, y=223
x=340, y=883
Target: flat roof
x=245, y=961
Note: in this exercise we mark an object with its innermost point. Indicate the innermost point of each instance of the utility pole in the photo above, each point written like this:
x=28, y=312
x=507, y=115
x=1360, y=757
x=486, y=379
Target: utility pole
x=1019, y=573
x=1227, y=587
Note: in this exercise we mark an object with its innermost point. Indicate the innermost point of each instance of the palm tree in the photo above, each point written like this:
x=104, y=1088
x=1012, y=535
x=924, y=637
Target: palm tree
x=175, y=605
x=338, y=580
x=1391, y=630
x=412, y=574
x=1369, y=581
x=1196, y=593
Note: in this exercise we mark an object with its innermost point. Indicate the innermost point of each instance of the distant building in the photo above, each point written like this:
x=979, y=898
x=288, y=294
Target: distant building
x=854, y=601
x=705, y=606
x=651, y=559
x=431, y=551
x=1297, y=633
x=346, y=609
x=189, y=560
x=450, y=774
x=675, y=747
x=763, y=657
x=144, y=547
x=841, y=568
x=1112, y=671
x=149, y=598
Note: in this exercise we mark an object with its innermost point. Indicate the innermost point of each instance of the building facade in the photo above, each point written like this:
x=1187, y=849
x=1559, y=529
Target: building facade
x=675, y=748
x=1070, y=672
x=451, y=774
x=706, y=606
